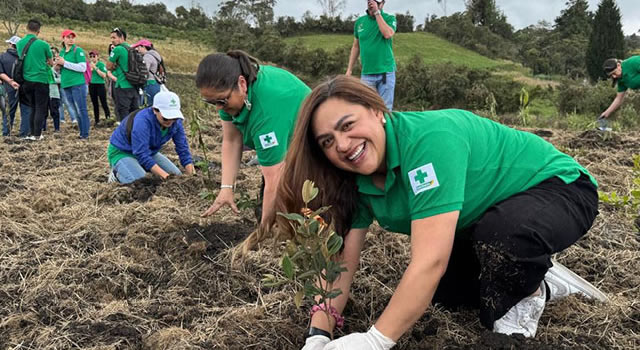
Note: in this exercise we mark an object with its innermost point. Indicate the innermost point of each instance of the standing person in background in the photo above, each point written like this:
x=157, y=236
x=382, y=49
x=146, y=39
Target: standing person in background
x=258, y=105
x=54, y=99
x=73, y=63
x=126, y=96
x=374, y=44
x=97, y=89
x=111, y=80
x=7, y=60
x=152, y=59
x=65, y=103
x=36, y=72
x=627, y=75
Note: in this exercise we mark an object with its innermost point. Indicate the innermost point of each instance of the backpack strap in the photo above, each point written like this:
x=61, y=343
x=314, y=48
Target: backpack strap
x=130, y=119
x=26, y=47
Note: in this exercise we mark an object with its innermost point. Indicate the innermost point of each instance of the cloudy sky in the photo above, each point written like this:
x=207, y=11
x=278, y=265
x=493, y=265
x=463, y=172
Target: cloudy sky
x=520, y=13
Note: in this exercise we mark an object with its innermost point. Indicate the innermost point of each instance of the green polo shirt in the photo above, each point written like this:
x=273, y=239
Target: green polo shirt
x=453, y=160
x=376, y=52
x=70, y=77
x=95, y=77
x=120, y=57
x=630, y=74
x=35, y=68
x=275, y=98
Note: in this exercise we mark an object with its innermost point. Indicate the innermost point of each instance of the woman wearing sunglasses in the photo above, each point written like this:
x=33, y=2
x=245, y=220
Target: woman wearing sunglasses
x=134, y=147
x=258, y=105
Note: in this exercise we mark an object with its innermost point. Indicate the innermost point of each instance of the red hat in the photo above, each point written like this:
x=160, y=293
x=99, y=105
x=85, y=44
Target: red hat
x=94, y=52
x=142, y=42
x=68, y=32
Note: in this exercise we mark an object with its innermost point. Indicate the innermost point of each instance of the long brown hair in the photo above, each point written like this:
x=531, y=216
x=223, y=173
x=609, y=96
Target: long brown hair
x=306, y=160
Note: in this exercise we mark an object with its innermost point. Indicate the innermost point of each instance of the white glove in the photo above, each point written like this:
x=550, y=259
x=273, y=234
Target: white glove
x=372, y=340
x=316, y=342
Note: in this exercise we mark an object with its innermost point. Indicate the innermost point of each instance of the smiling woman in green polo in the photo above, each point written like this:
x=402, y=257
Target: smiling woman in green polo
x=258, y=105
x=484, y=203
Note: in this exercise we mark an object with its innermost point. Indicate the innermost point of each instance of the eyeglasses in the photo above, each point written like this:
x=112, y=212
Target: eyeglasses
x=222, y=102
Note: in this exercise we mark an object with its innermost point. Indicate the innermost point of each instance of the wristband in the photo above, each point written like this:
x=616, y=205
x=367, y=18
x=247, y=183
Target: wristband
x=316, y=331
x=226, y=186
x=377, y=12
x=332, y=311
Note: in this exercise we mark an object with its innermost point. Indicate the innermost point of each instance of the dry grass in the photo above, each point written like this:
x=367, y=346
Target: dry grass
x=86, y=264
x=180, y=56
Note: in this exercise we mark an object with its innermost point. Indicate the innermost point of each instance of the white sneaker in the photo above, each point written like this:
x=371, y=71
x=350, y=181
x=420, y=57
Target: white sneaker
x=74, y=122
x=112, y=177
x=40, y=138
x=30, y=138
x=563, y=282
x=523, y=317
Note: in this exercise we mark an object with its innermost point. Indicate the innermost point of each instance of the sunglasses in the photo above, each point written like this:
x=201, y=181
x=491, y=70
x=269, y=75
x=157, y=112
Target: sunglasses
x=222, y=102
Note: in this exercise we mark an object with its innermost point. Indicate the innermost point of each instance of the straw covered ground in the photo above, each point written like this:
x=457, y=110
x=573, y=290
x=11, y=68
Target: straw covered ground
x=86, y=264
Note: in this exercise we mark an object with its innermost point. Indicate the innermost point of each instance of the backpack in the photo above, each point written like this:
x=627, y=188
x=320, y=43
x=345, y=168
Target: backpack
x=87, y=73
x=129, y=122
x=17, y=71
x=138, y=71
x=161, y=73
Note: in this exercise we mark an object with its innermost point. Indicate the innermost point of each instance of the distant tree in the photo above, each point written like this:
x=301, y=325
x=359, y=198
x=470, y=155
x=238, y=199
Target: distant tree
x=486, y=13
x=332, y=8
x=10, y=11
x=575, y=19
x=404, y=23
x=256, y=13
x=607, y=39
x=633, y=42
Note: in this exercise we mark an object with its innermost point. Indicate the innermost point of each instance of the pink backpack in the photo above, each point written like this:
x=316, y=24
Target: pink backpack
x=87, y=73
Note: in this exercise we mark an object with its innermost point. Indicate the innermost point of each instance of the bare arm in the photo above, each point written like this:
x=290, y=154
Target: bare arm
x=615, y=104
x=271, y=179
x=355, y=52
x=353, y=244
x=157, y=170
x=231, y=154
x=9, y=81
x=431, y=244
x=111, y=65
x=386, y=31
x=100, y=73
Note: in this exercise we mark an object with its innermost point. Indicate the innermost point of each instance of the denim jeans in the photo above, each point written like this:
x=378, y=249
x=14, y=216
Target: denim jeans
x=128, y=170
x=9, y=117
x=78, y=97
x=384, y=83
x=66, y=103
x=150, y=92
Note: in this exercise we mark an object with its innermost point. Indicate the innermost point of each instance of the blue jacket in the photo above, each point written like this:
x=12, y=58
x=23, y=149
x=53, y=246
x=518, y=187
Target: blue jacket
x=147, y=139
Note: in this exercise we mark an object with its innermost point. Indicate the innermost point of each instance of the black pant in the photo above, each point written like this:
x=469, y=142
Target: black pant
x=54, y=111
x=36, y=96
x=127, y=101
x=98, y=91
x=503, y=257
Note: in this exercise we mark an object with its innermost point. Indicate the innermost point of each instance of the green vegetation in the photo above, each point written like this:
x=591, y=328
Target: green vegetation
x=431, y=48
x=631, y=200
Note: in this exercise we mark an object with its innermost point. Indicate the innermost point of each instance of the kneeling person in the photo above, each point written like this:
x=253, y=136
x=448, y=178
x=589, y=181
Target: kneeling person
x=134, y=147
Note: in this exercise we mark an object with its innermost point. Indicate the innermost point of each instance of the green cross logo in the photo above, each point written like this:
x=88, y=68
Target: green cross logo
x=268, y=139
x=420, y=176
x=173, y=102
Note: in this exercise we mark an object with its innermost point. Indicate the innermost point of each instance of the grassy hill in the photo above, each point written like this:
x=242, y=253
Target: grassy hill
x=431, y=48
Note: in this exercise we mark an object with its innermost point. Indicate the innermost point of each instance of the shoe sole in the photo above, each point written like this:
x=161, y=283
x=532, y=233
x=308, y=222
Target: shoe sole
x=585, y=287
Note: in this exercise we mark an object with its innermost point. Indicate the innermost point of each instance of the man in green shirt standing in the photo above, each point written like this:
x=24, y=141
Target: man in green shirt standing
x=126, y=96
x=374, y=44
x=36, y=71
x=627, y=75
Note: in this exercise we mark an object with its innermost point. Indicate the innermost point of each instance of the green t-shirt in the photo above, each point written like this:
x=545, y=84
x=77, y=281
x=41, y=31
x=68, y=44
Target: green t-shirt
x=120, y=57
x=376, y=52
x=68, y=77
x=630, y=74
x=95, y=77
x=443, y=161
x=275, y=98
x=35, y=68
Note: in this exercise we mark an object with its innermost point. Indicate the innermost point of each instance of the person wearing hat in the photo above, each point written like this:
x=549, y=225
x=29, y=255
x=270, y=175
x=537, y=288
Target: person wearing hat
x=73, y=63
x=134, y=147
x=152, y=59
x=34, y=92
x=373, y=42
x=624, y=73
x=7, y=60
x=97, y=89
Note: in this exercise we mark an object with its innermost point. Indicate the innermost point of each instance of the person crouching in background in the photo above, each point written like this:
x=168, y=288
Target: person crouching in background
x=134, y=147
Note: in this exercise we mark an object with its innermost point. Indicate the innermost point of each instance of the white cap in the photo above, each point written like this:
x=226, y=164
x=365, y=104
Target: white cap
x=13, y=40
x=168, y=103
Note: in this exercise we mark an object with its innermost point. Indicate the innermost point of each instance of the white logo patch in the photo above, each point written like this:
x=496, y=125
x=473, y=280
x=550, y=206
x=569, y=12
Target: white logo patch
x=423, y=178
x=268, y=140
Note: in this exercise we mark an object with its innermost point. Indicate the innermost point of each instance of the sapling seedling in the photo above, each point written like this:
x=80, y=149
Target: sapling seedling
x=309, y=258
x=197, y=128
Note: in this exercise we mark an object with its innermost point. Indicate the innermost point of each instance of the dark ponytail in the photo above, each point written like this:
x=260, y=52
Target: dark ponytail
x=221, y=71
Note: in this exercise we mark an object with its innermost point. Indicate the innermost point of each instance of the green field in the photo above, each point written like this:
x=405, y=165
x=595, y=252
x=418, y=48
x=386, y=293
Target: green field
x=431, y=48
